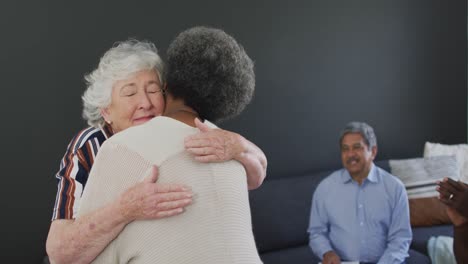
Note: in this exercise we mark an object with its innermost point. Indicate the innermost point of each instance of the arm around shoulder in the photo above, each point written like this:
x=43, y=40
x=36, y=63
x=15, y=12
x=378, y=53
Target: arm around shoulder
x=218, y=145
x=254, y=161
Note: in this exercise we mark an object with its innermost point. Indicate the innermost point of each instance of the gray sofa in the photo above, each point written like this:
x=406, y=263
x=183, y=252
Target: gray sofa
x=280, y=217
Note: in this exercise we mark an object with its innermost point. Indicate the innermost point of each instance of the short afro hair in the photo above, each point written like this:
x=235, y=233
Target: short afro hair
x=211, y=72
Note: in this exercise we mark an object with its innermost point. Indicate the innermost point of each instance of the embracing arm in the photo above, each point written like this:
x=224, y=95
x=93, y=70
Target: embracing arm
x=81, y=240
x=253, y=159
x=217, y=145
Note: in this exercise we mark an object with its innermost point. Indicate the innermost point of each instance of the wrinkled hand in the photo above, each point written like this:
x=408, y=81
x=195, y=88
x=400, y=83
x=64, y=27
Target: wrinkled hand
x=455, y=195
x=213, y=144
x=151, y=200
x=331, y=258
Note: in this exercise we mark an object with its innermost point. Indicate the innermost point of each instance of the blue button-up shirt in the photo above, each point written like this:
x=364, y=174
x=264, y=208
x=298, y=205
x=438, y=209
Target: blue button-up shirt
x=366, y=223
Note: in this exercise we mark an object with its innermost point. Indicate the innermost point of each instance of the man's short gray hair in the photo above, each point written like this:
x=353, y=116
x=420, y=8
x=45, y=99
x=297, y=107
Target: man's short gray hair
x=366, y=131
x=120, y=62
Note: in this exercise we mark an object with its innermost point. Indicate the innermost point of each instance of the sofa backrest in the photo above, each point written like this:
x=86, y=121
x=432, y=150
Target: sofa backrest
x=281, y=209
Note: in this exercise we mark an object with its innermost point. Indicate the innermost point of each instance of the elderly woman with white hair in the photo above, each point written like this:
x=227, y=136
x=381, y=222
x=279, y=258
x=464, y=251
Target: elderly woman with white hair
x=126, y=90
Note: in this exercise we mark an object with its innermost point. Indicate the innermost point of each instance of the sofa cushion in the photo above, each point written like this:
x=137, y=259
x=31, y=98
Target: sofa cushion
x=422, y=234
x=419, y=176
x=281, y=211
x=416, y=257
x=303, y=255
x=296, y=255
x=428, y=212
x=460, y=152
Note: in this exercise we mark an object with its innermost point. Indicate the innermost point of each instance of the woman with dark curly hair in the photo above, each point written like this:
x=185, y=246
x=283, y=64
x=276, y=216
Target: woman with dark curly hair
x=211, y=78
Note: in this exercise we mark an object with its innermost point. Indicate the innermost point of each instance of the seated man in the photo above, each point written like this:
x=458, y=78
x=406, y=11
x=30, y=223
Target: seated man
x=360, y=213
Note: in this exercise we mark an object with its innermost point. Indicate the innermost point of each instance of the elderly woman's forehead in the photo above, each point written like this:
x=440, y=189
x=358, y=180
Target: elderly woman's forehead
x=144, y=73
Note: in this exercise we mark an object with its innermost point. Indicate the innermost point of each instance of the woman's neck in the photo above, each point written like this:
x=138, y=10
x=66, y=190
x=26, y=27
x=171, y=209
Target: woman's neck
x=176, y=109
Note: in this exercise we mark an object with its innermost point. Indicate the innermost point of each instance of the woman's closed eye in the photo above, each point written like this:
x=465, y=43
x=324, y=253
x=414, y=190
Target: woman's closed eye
x=128, y=91
x=153, y=88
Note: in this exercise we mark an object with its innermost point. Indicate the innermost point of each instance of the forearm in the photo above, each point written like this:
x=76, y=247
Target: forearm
x=395, y=253
x=83, y=239
x=460, y=243
x=399, y=240
x=254, y=161
x=319, y=244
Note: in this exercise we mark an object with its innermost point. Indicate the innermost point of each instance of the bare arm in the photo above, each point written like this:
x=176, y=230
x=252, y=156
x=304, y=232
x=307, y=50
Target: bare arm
x=81, y=240
x=460, y=242
x=455, y=195
x=253, y=159
x=217, y=145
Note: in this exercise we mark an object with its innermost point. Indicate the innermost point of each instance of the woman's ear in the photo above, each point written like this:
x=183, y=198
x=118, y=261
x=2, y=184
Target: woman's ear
x=106, y=115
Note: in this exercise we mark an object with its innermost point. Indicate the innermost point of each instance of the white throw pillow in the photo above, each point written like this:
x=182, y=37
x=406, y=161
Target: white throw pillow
x=460, y=152
x=419, y=175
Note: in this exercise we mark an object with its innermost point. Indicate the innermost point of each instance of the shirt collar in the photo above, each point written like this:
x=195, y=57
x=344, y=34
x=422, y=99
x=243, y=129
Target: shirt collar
x=372, y=176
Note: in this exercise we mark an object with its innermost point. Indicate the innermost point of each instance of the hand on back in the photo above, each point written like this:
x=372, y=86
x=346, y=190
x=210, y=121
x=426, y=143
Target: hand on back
x=213, y=144
x=152, y=200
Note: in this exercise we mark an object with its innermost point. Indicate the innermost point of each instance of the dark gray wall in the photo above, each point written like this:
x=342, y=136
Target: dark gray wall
x=399, y=65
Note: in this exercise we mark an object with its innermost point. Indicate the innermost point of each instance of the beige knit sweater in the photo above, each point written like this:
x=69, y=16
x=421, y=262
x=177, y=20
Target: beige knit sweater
x=215, y=229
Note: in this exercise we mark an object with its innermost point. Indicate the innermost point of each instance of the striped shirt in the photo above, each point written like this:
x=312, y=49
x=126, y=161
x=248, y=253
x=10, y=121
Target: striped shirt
x=74, y=170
